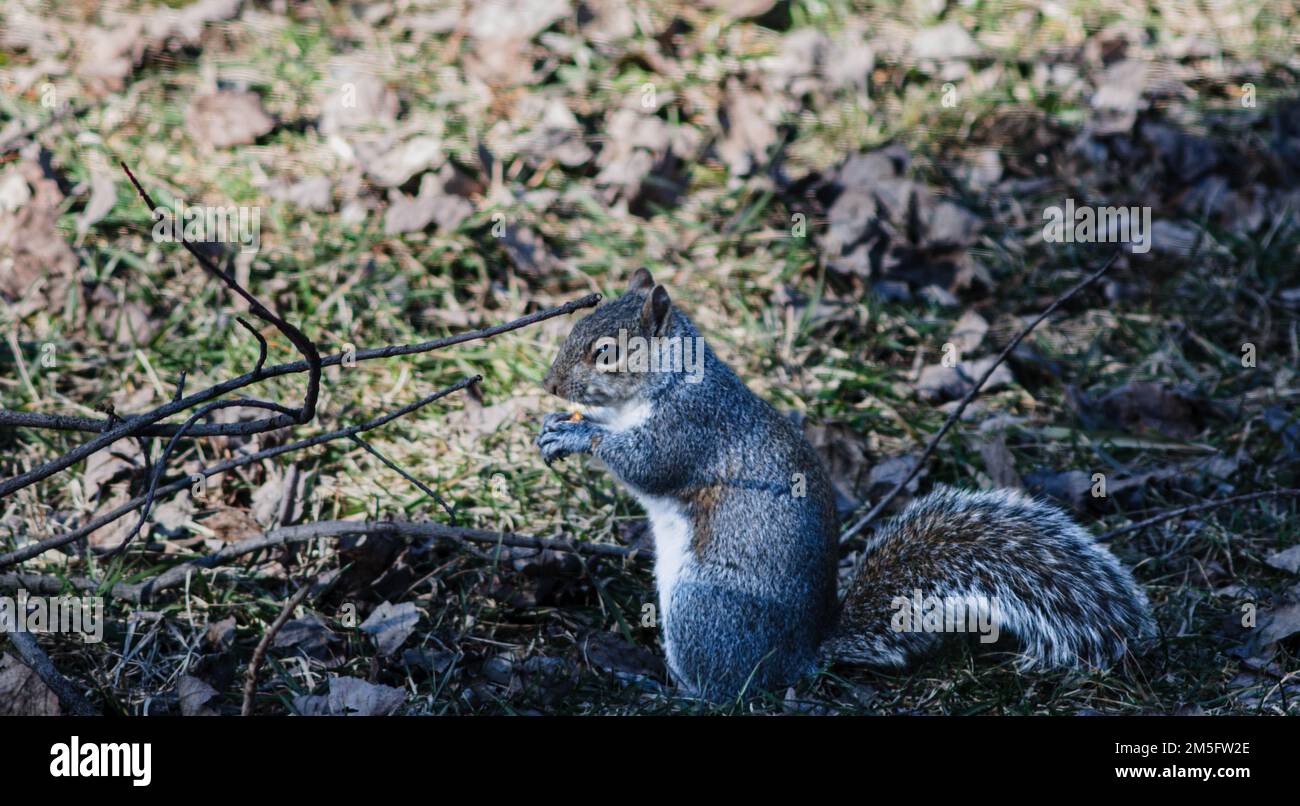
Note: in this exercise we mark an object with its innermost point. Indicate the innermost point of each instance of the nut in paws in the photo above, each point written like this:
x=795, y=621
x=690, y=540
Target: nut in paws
x=562, y=436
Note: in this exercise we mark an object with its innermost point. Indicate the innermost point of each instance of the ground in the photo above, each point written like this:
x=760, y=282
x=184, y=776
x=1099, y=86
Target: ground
x=839, y=196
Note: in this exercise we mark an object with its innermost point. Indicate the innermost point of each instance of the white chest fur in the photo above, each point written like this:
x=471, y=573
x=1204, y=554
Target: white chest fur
x=672, y=532
x=624, y=417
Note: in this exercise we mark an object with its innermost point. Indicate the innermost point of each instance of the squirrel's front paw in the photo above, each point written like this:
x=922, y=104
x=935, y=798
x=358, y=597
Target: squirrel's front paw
x=562, y=436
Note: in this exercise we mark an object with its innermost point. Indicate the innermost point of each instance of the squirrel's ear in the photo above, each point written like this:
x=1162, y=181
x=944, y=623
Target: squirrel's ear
x=654, y=313
x=642, y=280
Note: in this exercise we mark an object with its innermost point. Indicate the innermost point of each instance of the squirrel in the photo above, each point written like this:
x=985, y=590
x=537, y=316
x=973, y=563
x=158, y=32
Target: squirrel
x=745, y=529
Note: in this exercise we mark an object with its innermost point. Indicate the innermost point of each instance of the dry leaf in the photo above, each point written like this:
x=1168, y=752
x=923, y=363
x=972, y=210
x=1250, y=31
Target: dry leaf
x=390, y=625
x=281, y=500
x=230, y=525
x=22, y=692
x=350, y=696
x=749, y=131
x=391, y=164
x=1288, y=560
x=968, y=333
x=499, y=21
x=194, y=696
x=999, y=464
x=227, y=118
x=938, y=383
x=103, y=195
x=611, y=653
x=315, y=193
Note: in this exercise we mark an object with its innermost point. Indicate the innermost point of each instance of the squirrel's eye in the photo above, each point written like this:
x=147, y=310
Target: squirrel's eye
x=602, y=352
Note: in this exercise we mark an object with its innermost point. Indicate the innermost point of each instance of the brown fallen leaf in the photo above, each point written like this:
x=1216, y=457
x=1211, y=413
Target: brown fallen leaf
x=938, y=383
x=308, y=634
x=111, y=535
x=528, y=252
x=1287, y=560
x=1277, y=624
x=314, y=193
x=844, y=451
x=358, y=98
x=748, y=128
x=194, y=696
x=968, y=333
x=36, y=263
x=120, y=461
x=227, y=118
x=999, y=464
x=103, y=195
x=390, y=625
x=391, y=162
x=231, y=524
x=220, y=635
x=1142, y=406
x=612, y=654
x=498, y=21
x=741, y=9
x=431, y=205
x=22, y=692
x=281, y=500
x=354, y=697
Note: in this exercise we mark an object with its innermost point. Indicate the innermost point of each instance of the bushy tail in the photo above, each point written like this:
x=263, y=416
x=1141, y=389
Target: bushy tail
x=956, y=560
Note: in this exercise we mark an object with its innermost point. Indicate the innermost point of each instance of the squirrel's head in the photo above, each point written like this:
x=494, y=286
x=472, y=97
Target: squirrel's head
x=601, y=362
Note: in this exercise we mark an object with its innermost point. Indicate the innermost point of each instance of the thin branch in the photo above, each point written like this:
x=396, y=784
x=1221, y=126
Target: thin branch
x=132, y=427
x=304, y=345
x=35, y=549
x=970, y=395
x=451, y=513
x=175, y=576
x=160, y=465
x=55, y=586
x=250, y=678
x=1188, y=510
x=304, y=533
x=31, y=653
x=261, y=344
x=147, y=424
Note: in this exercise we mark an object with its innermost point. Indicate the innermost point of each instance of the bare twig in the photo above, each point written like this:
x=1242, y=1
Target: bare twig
x=250, y=679
x=54, y=586
x=261, y=344
x=36, y=659
x=298, y=416
x=147, y=424
x=1188, y=510
x=160, y=465
x=295, y=336
x=875, y=511
x=424, y=488
x=306, y=532
x=35, y=549
x=175, y=576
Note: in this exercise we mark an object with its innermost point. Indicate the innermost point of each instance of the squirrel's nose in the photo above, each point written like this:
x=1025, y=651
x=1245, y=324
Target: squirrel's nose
x=550, y=384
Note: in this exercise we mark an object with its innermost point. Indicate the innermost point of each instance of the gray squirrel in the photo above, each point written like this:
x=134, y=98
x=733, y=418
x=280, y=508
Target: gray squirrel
x=746, y=533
